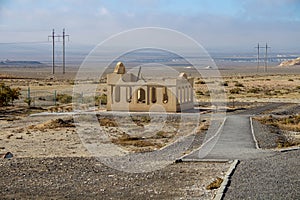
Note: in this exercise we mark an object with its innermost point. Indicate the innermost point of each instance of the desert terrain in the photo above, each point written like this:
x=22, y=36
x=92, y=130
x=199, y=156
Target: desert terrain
x=51, y=160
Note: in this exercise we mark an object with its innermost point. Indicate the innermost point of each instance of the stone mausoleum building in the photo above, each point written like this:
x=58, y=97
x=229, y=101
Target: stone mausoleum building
x=130, y=92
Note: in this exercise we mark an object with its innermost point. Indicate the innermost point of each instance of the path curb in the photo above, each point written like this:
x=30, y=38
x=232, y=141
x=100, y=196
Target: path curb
x=253, y=134
x=221, y=191
x=288, y=149
x=203, y=160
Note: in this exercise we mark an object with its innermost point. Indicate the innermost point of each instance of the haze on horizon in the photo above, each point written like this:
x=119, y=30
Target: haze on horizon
x=229, y=25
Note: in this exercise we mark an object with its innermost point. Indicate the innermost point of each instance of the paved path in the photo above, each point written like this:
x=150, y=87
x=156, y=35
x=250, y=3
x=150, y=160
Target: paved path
x=233, y=140
x=274, y=177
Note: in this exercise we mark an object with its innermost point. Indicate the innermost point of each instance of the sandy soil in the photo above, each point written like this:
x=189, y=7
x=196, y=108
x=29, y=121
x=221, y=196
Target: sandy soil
x=56, y=135
x=26, y=136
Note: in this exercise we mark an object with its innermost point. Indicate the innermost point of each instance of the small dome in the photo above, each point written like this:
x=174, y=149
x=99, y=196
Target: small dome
x=182, y=75
x=120, y=68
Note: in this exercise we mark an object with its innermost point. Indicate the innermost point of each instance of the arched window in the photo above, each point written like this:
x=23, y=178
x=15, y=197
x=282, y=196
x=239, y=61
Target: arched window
x=128, y=94
x=153, y=94
x=183, y=94
x=165, y=95
x=117, y=93
x=191, y=93
x=180, y=95
x=141, y=95
x=186, y=90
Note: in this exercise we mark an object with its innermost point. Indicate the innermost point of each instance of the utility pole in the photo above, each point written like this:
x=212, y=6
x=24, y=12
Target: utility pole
x=53, y=36
x=266, y=56
x=64, y=60
x=257, y=57
x=53, y=42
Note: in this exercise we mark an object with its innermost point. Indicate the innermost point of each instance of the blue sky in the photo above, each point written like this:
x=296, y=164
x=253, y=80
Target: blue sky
x=223, y=24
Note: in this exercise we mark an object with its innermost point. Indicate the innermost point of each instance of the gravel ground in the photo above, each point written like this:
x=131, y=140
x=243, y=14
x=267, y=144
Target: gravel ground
x=261, y=109
x=266, y=136
x=288, y=109
x=85, y=178
x=275, y=177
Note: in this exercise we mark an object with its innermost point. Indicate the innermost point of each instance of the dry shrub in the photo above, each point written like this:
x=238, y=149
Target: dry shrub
x=290, y=123
x=237, y=84
x=235, y=91
x=204, y=125
x=224, y=83
x=141, y=120
x=64, y=98
x=200, y=82
x=282, y=142
x=254, y=90
x=126, y=140
x=162, y=134
x=199, y=93
x=54, y=123
x=137, y=144
x=108, y=122
x=215, y=184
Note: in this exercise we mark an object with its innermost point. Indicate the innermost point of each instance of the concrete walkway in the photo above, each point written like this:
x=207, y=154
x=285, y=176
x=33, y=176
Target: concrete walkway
x=233, y=140
x=274, y=177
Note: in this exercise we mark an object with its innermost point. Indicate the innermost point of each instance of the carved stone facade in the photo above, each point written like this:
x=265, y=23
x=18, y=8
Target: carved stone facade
x=129, y=92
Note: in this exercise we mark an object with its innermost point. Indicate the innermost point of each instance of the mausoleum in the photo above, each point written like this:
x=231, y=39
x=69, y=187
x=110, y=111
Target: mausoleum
x=130, y=92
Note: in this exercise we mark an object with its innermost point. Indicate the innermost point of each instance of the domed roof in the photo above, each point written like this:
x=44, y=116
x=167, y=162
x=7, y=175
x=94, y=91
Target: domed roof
x=120, y=68
x=182, y=75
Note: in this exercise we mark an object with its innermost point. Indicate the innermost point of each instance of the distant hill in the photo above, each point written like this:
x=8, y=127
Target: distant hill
x=21, y=63
x=290, y=62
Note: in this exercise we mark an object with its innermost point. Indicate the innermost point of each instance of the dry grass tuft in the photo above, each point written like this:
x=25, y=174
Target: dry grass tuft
x=139, y=144
x=108, y=122
x=54, y=123
x=289, y=123
x=215, y=184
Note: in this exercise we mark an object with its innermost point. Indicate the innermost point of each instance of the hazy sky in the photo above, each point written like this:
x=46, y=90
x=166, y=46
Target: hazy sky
x=232, y=24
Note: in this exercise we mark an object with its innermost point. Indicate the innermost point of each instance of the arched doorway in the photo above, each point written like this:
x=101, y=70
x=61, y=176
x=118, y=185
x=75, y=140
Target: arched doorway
x=141, y=95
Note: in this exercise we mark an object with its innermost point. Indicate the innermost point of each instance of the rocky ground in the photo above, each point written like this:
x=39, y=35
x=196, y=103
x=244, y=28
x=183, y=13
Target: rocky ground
x=51, y=162
x=278, y=127
x=85, y=178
